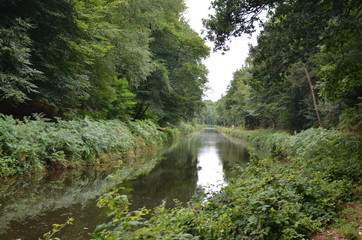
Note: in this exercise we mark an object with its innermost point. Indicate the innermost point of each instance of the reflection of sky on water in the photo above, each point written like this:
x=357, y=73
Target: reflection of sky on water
x=210, y=169
x=29, y=205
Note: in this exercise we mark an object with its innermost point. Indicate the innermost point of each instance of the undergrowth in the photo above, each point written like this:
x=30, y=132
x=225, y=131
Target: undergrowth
x=270, y=199
x=35, y=145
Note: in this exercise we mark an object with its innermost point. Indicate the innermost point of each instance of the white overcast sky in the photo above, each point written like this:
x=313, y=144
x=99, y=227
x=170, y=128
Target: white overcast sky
x=221, y=67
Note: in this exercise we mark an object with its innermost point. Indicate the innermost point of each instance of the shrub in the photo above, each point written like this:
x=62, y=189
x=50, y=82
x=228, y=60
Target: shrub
x=335, y=155
x=270, y=199
x=33, y=145
x=271, y=140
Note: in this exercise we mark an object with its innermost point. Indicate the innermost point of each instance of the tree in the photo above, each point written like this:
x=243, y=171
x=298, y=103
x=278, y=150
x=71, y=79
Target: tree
x=61, y=49
x=298, y=34
x=174, y=91
x=99, y=57
x=16, y=71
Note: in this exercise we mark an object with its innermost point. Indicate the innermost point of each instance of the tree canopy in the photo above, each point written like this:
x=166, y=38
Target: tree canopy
x=102, y=58
x=306, y=68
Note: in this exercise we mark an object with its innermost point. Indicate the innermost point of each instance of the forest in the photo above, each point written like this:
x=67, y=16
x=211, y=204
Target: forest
x=104, y=59
x=305, y=71
x=91, y=84
x=134, y=59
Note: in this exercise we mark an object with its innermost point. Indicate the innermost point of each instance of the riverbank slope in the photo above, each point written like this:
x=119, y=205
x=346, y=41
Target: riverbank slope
x=271, y=199
x=37, y=145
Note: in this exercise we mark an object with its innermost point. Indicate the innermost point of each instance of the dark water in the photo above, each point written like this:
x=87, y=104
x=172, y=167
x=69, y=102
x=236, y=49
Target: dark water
x=30, y=205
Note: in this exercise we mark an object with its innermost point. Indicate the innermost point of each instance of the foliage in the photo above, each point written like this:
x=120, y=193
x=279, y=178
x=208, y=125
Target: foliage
x=16, y=72
x=351, y=119
x=336, y=155
x=147, y=132
x=348, y=221
x=306, y=59
x=102, y=59
x=275, y=142
x=56, y=228
x=269, y=199
x=32, y=145
x=174, y=90
x=233, y=18
x=122, y=107
x=207, y=116
x=282, y=106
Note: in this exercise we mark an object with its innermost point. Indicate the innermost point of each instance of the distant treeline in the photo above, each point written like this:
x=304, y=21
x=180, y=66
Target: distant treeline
x=305, y=71
x=106, y=59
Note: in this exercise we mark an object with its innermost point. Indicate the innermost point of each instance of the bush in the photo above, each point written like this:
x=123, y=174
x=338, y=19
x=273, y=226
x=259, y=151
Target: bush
x=147, y=132
x=351, y=119
x=33, y=145
x=270, y=199
x=336, y=155
x=271, y=140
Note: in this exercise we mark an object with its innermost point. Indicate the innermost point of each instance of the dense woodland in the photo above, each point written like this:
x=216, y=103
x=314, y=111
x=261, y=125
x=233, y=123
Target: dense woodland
x=76, y=75
x=140, y=60
x=106, y=59
x=305, y=71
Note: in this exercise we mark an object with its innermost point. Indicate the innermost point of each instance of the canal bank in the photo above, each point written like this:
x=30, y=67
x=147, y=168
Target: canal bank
x=289, y=198
x=200, y=162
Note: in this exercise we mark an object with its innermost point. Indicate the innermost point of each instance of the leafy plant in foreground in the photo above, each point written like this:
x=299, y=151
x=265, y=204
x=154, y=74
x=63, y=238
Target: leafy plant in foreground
x=270, y=199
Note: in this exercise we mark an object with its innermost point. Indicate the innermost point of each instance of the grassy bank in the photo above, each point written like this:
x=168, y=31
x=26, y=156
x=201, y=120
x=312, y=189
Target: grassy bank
x=335, y=155
x=35, y=145
x=271, y=199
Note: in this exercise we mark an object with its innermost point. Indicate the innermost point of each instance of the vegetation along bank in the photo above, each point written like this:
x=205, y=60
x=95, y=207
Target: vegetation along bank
x=35, y=145
x=271, y=199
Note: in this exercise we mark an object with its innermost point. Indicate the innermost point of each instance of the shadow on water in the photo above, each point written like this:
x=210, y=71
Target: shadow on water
x=31, y=204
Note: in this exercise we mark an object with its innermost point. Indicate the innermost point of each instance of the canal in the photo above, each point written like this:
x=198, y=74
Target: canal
x=201, y=162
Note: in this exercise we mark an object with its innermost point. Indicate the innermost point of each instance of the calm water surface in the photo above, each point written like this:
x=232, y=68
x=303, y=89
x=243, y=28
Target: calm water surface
x=30, y=205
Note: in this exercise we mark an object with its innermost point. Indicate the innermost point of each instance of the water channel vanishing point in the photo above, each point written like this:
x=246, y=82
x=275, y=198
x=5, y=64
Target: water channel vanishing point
x=29, y=205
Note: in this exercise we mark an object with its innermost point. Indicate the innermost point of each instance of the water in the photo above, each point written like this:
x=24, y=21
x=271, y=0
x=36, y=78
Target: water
x=30, y=205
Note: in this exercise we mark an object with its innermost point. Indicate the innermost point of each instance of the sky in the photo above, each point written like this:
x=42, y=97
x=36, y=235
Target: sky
x=221, y=67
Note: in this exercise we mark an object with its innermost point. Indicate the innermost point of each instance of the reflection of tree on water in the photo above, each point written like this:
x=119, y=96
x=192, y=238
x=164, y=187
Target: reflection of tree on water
x=232, y=155
x=40, y=200
x=217, y=156
x=174, y=177
x=28, y=198
x=178, y=175
x=229, y=153
x=235, y=152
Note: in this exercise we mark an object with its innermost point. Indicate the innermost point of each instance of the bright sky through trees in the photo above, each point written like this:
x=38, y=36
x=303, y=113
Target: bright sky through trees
x=221, y=67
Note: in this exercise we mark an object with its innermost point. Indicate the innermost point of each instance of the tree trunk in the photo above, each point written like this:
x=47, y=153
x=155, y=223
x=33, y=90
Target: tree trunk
x=313, y=94
x=143, y=113
x=140, y=111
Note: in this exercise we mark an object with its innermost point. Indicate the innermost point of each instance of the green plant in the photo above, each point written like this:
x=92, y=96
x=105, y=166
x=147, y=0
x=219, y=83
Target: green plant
x=56, y=228
x=351, y=119
x=349, y=232
x=34, y=145
x=270, y=199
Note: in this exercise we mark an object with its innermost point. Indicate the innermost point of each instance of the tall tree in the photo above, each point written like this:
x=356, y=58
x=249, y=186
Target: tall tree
x=180, y=76
x=16, y=70
x=300, y=31
x=62, y=49
x=79, y=57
